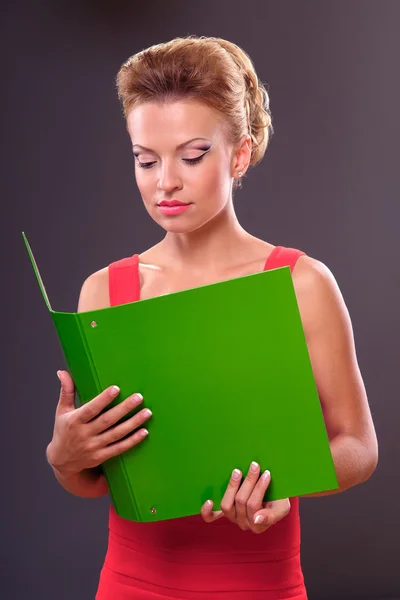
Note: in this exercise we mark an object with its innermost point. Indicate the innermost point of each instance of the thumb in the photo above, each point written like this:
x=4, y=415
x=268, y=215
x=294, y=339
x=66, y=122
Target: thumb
x=66, y=401
x=272, y=512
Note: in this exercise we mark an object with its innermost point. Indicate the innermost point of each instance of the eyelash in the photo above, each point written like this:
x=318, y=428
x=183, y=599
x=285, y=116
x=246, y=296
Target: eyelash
x=190, y=161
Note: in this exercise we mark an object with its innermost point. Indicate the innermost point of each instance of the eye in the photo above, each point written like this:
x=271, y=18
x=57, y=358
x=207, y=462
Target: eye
x=143, y=165
x=148, y=165
x=193, y=161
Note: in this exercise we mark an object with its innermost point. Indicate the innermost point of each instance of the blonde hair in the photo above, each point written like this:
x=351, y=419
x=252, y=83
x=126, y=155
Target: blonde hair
x=207, y=69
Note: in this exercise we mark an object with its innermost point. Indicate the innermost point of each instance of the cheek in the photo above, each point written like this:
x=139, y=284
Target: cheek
x=145, y=182
x=214, y=179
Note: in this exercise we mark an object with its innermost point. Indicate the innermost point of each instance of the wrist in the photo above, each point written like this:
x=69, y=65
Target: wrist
x=59, y=469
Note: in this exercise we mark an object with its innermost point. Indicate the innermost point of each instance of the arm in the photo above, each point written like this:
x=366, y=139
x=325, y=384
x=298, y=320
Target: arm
x=340, y=386
x=89, y=483
x=342, y=395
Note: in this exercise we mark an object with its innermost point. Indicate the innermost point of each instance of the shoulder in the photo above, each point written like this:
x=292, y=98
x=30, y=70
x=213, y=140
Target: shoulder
x=320, y=300
x=311, y=275
x=94, y=292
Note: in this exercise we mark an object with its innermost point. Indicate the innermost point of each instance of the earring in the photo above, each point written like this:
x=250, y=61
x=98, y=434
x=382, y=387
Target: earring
x=240, y=174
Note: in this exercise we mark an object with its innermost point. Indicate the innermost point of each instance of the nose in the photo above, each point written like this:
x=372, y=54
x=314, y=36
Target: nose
x=169, y=178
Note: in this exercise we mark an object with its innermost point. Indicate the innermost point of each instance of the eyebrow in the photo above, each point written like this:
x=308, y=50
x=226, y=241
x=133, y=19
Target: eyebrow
x=177, y=148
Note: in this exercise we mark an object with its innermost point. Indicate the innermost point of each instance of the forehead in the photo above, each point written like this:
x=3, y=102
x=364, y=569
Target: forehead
x=154, y=124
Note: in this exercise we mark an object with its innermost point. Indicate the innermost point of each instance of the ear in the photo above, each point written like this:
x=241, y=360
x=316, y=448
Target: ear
x=241, y=155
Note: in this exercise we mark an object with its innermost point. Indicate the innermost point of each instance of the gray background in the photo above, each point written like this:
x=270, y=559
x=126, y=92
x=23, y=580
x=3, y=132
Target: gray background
x=329, y=184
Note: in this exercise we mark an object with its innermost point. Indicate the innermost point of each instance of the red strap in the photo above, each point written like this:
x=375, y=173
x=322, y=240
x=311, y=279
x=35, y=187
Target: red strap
x=123, y=280
x=283, y=257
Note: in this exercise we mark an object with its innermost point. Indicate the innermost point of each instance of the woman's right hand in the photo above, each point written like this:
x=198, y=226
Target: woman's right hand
x=83, y=438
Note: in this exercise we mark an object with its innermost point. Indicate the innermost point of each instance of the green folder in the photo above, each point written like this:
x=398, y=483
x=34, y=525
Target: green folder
x=226, y=372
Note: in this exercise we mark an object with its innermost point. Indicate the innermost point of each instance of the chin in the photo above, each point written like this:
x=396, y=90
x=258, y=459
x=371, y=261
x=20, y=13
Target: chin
x=183, y=223
x=177, y=223
x=178, y=226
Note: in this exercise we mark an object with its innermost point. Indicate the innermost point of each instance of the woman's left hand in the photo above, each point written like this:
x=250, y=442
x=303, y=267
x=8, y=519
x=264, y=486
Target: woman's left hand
x=243, y=503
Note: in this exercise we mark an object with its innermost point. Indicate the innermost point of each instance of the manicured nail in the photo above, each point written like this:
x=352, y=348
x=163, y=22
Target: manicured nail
x=259, y=519
x=147, y=413
x=236, y=474
x=208, y=503
x=143, y=432
x=136, y=399
x=58, y=375
x=253, y=467
x=266, y=475
x=115, y=390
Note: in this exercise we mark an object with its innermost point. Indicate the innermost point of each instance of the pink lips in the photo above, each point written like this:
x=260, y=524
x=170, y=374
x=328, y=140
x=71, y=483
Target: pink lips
x=173, y=207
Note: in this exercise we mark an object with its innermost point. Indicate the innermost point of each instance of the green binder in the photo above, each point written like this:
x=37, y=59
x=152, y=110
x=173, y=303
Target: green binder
x=226, y=372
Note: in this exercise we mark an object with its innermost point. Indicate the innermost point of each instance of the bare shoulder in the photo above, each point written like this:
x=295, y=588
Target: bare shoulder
x=311, y=275
x=94, y=293
x=319, y=297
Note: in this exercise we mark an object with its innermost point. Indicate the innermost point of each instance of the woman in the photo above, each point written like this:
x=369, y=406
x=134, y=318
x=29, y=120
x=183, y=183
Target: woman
x=198, y=118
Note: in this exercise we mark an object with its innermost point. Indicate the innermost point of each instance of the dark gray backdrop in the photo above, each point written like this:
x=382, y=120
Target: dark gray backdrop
x=328, y=185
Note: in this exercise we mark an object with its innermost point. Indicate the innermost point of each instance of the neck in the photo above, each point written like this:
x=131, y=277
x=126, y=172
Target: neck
x=218, y=243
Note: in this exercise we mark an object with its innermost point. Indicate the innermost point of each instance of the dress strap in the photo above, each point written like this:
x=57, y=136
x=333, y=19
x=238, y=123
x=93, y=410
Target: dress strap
x=283, y=257
x=123, y=280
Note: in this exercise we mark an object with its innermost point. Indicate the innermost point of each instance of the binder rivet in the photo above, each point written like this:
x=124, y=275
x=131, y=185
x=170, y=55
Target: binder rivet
x=93, y=324
x=153, y=510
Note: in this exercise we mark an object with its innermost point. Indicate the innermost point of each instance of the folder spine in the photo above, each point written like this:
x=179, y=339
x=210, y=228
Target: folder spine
x=80, y=361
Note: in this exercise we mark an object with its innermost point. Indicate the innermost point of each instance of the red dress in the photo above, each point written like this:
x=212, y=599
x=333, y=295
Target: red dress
x=188, y=558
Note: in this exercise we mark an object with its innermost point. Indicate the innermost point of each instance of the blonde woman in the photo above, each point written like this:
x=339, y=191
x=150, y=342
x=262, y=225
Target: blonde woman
x=198, y=118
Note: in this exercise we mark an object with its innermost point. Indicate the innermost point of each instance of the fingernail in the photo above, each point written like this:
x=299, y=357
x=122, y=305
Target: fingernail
x=259, y=519
x=137, y=399
x=254, y=467
x=147, y=413
x=208, y=503
x=266, y=475
x=143, y=432
x=236, y=474
x=115, y=390
x=58, y=375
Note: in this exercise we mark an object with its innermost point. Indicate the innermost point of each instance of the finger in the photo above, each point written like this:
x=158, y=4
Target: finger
x=274, y=512
x=93, y=408
x=255, y=502
x=120, y=431
x=66, y=401
x=228, y=500
x=121, y=446
x=210, y=515
x=111, y=416
x=244, y=494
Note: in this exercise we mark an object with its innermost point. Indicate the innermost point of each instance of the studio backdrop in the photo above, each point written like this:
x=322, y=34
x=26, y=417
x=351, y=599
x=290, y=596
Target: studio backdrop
x=328, y=184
